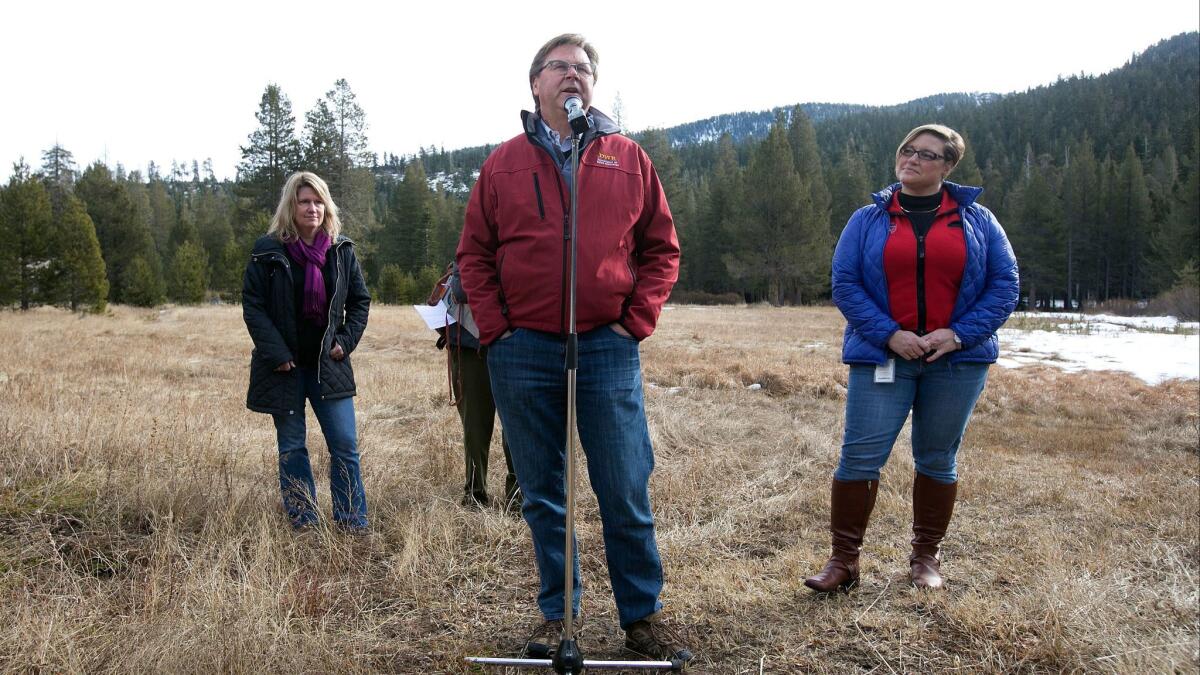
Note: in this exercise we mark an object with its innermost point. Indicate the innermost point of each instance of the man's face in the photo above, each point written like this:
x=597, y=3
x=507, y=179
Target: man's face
x=552, y=88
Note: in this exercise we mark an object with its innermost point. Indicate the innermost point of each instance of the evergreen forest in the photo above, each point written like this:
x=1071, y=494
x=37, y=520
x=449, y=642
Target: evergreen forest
x=1095, y=178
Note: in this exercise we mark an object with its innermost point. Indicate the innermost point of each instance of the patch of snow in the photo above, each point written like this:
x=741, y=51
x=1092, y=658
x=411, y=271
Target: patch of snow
x=1101, y=320
x=1151, y=357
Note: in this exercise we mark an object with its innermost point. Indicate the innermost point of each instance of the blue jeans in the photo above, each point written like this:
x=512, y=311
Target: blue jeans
x=336, y=418
x=528, y=373
x=941, y=396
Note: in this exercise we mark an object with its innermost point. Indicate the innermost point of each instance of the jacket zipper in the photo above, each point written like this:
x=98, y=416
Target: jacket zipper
x=562, y=323
x=562, y=309
x=337, y=282
x=920, y=281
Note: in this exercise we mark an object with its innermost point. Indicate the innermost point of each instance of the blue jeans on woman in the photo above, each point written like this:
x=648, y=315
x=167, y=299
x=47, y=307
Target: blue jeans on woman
x=528, y=373
x=336, y=417
x=941, y=396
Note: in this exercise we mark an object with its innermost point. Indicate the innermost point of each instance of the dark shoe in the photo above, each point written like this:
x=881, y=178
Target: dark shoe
x=850, y=506
x=354, y=530
x=512, y=503
x=545, y=638
x=933, y=506
x=474, y=502
x=653, y=638
x=304, y=521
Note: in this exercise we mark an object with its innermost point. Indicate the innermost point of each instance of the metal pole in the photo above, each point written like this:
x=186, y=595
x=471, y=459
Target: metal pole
x=567, y=647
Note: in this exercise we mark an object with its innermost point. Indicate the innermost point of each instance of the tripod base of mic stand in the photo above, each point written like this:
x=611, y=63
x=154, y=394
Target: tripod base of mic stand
x=568, y=660
x=588, y=664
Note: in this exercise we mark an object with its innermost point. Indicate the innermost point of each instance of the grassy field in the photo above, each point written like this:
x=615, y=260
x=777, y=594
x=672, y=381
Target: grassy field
x=140, y=530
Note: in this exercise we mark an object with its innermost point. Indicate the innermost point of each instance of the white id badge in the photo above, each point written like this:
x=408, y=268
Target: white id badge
x=886, y=373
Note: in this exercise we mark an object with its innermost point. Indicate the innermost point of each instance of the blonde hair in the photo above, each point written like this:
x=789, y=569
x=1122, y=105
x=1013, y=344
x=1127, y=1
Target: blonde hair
x=953, y=145
x=572, y=39
x=283, y=224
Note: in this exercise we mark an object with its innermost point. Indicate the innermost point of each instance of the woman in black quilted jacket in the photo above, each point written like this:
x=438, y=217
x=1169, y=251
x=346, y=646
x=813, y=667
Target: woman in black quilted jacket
x=305, y=305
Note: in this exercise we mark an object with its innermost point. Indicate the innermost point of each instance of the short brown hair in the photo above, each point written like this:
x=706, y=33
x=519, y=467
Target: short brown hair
x=954, y=147
x=573, y=39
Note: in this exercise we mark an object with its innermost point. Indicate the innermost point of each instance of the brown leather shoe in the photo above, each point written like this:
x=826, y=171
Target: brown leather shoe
x=655, y=638
x=933, y=505
x=850, y=505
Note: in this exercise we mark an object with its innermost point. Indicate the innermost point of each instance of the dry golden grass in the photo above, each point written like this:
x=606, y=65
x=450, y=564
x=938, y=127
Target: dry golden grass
x=139, y=526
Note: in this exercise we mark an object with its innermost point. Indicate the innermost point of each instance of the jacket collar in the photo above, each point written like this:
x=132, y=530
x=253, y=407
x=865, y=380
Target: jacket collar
x=965, y=195
x=602, y=125
x=269, y=244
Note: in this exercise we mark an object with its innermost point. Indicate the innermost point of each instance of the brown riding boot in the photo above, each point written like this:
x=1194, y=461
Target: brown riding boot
x=850, y=506
x=933, y=504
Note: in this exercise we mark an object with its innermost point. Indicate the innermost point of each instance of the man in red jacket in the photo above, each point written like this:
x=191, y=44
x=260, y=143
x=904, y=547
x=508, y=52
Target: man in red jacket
x=513, y=256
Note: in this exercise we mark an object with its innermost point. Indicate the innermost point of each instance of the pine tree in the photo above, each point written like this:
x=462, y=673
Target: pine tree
x=163, y=215
x=213, y=226
x=77, y=276
x=1039, y=238
x=849, y=189
x=58, y=166
x=188, y=275
x=1081, y=215
x=140, y=284
x=967, y=172
x=273, y=152
x=445, y=227
x=350, y=120
x=321, y=142
x=1177, y=243
x=714, y=239
x=394, y=287
x=404, y=237
x=770, y=219
x=123, y=237
x=666, y=163
x=1131, y=219
x=25, y=223
x=815, y=228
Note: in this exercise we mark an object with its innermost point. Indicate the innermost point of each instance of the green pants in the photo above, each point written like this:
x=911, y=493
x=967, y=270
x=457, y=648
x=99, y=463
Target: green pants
x=473, y=391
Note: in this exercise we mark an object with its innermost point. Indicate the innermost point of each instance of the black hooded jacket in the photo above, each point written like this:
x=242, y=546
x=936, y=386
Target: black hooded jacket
x=269, y=309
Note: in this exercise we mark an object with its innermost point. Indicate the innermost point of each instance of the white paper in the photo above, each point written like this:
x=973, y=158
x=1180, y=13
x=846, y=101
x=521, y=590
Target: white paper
x=436, y=316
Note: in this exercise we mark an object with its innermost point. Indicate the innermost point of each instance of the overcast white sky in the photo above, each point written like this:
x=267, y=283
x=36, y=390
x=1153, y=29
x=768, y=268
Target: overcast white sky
x=130, y=82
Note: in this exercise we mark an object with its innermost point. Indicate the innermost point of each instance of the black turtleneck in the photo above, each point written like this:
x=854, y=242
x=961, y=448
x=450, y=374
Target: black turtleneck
x=921, y=211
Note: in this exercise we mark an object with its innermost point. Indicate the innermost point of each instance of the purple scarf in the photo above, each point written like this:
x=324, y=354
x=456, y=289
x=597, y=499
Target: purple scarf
x=313, y=259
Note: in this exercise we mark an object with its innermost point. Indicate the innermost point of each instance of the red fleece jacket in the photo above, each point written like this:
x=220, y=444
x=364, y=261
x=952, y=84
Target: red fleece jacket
x=513, y=250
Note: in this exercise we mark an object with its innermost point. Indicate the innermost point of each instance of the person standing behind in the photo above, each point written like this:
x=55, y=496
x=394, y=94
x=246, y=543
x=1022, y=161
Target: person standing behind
x=925, y=277
x=305, y=305
x=513, y=255
x=472, y=391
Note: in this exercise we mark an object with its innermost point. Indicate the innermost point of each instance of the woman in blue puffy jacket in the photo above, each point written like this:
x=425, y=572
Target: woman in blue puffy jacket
x=924, y=276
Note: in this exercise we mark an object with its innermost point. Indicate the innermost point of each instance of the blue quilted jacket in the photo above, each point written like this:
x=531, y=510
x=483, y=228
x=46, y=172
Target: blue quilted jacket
x=986, y=295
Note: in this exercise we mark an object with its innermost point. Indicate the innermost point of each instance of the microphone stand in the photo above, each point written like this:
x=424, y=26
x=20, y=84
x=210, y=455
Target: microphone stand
x=568, y=660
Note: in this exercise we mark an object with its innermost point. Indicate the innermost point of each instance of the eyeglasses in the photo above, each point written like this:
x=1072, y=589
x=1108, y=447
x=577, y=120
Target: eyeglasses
x=924, y=155
x=560, y=68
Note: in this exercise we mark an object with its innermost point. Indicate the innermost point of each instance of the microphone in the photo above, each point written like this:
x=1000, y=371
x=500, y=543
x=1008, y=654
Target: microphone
x=575, y=115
